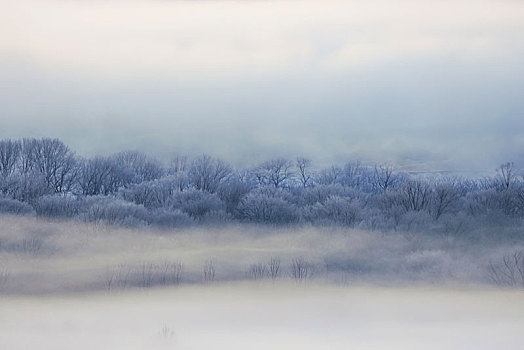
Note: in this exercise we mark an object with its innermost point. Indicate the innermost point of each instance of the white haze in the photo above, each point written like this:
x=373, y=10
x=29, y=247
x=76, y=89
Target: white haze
x=268, y=316
x=437, y=84
x=368, y=290
x=41, y=257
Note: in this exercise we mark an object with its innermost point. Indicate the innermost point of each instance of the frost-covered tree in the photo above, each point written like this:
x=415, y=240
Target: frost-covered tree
x=93, y=176
x=446, y=194
x=267, y=205
x=334, y=210
x=415, y=195
x=153, y=194
x=305, y=174
x=9, y=156
x=207, y=173
x=198, y=204
x=330, y=176
x=383, y=178
x=52, y=159
x=44, y=175
x=234, y=189
x=136, y=167
x=275, y=172
x=506, y=175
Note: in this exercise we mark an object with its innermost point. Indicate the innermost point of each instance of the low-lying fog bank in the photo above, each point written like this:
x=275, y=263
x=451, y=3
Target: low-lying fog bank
x=265, y=315
x=41, y=257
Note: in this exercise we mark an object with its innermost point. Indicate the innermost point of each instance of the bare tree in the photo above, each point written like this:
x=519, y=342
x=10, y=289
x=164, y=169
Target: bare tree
x=301, y=269
x=28, y=155
x=353, y=174
x=146, y=271
x=4, y=277
x=416, y=195
x=233, y=190
x=137, y=167
x=510, y=271
x=51, y=158
x=258, y=271
x=209, y=271
x=166, y=332
x=330, y=176
x=117, y=277
x=383, y=177
x=304, y=173
x=55, y=161
x=32, y=245
x=274, y=268
x=178, y=164
x=446, y=193
x=171, y=272
x=207, y=173
x=94, y=176
x=276, y=172
x=9, y=156
x=506, y=174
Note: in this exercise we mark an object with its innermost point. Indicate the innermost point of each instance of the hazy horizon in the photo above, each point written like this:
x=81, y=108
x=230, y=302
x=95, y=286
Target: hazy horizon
x=432, y=85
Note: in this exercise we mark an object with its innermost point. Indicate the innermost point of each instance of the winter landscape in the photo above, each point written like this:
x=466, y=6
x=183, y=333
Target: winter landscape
x=261, y=174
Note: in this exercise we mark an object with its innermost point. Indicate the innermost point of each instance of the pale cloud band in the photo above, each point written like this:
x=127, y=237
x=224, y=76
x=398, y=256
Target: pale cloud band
x=377, y=79
x=154, y=37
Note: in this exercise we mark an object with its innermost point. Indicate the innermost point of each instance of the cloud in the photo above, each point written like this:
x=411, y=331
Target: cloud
x=378, y=80
x=159, y=37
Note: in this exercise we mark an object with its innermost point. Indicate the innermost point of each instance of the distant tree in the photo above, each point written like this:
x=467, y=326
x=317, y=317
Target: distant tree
x=28, y=155
x=153, y=194
x=383, y=177
x=233, y=190
x=415, y=195
x=13, y=206
x=334, y=210
x=136, y=167
x=207, y=173
x=330, y=176
x=509, y=271
x=178, y=170
x=9, y=157
x=178, y=164
x=51, y=158
x=506, y=175
x=94, y=176
x=320, y=193
x=446, y=193
x=267, y=205
x=197, y=204
x=519, y=197
x=275, y=172
x=45, y=175
x=305, y=174
x=353, y=174
x=27, y=187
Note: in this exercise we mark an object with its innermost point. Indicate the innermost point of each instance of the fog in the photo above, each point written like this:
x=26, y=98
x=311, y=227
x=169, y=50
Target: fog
x=38, y=256
x=240, y=316
x=435, y=85
x=87, y=285
x=261, y=174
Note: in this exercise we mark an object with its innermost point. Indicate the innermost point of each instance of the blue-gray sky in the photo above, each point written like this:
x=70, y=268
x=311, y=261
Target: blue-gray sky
x=430, y=84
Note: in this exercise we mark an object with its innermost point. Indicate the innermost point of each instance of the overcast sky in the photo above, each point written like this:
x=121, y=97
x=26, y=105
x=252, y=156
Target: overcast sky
x=430, y=84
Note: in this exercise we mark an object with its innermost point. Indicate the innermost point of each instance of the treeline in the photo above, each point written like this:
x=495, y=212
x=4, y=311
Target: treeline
x=44, y=177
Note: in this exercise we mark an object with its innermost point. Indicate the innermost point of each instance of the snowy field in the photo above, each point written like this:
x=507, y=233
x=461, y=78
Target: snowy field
x=267, y=316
